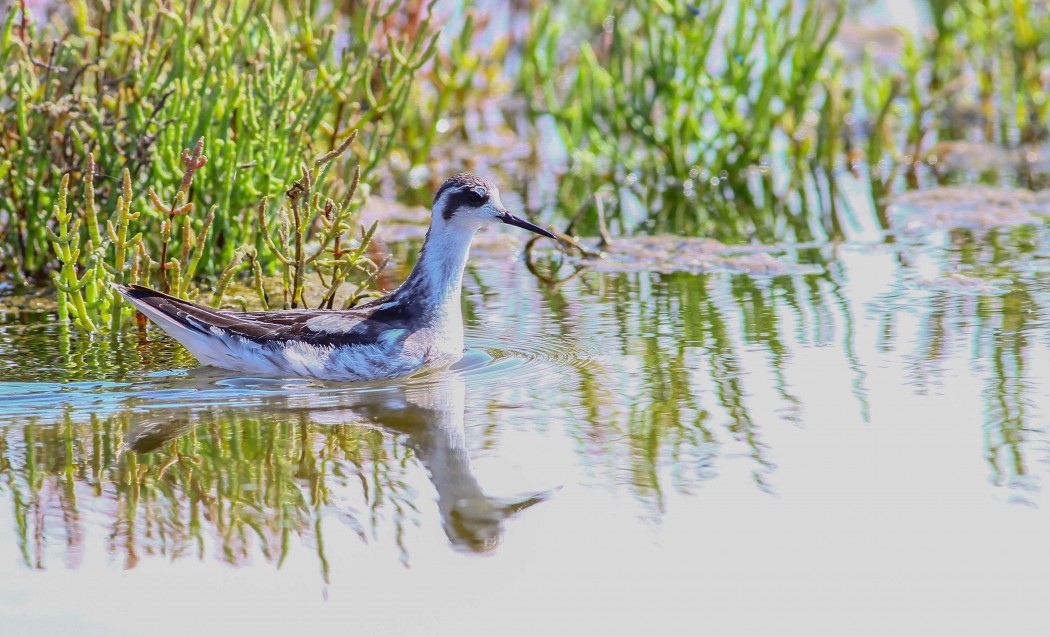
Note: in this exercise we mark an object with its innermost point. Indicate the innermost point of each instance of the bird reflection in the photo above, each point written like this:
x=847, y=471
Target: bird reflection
x=149, y=434
x=431, y=414
x=426, y=414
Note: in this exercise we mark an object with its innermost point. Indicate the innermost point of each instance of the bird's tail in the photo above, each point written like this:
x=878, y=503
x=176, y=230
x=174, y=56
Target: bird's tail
x=198, y=328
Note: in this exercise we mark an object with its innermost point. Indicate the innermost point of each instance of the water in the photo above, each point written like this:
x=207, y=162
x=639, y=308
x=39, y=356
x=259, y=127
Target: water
x=858, y=446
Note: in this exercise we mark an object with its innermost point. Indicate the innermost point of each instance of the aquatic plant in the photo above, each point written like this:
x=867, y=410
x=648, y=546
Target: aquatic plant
x=977, y=76
x=1005, y=45
x=94, y=255
x=457, y=122
x=740, y=120
x=679, y=95
x=133, y=84
x=70, y=285
x=327, y=255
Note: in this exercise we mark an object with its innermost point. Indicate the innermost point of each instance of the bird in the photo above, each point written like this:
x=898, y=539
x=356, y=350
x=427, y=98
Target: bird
x=420, y=324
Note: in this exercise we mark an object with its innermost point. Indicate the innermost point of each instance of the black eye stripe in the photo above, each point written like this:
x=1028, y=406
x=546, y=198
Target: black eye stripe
x=467, y=197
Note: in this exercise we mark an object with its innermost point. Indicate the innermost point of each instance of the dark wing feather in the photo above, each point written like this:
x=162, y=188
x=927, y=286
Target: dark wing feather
x=365, y=325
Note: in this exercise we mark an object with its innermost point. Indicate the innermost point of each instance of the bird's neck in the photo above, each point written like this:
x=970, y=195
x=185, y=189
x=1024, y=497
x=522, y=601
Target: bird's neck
x=437, y=278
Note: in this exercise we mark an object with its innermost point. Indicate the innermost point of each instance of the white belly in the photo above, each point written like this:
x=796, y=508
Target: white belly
x=388, y=359
x=358, y=363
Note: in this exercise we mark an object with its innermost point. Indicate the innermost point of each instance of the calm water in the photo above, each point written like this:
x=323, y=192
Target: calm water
x=859, y=450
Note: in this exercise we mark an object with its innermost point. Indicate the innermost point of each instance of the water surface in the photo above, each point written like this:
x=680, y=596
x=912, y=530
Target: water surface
x=855, y=447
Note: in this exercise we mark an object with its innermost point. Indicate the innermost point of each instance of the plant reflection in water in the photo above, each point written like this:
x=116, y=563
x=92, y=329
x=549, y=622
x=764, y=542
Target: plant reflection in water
x=668, y=388
x=183, y=480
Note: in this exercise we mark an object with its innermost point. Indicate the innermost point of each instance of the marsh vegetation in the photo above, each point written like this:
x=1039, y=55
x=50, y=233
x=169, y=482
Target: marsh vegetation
x=802, y=297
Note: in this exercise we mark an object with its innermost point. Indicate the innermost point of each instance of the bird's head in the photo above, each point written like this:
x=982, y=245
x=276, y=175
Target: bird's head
x=468, y=201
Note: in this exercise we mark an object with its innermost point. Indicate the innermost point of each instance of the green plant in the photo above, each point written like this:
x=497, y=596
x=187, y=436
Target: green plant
x=131, y=83
x=94, y=255
x=313, y=236
x=671, y=94
x=327, y=255
x=1008, y=46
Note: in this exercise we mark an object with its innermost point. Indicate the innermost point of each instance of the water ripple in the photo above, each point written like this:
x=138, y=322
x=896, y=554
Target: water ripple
x=488, y=360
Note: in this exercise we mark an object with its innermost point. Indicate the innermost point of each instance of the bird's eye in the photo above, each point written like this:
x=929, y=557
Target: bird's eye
x=477, y=197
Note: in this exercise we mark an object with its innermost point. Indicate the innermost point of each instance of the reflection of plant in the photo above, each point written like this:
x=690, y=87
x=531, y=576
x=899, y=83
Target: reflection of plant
x=242, y=484
x=693, y=344
x=1007, y=425
x=991, y=330
x=678, y=341
x=1013, y=318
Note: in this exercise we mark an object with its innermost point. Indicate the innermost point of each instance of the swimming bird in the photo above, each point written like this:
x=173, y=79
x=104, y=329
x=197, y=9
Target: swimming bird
x=416, y=325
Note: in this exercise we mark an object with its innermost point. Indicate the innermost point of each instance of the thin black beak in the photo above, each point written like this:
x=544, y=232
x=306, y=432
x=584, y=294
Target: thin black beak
x=511, y=220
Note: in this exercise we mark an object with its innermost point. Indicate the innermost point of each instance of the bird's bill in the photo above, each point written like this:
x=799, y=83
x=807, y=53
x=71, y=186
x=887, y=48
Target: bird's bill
x=511, y=220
